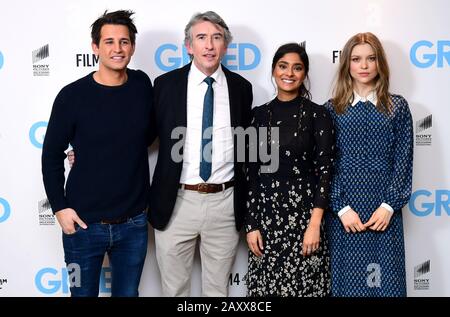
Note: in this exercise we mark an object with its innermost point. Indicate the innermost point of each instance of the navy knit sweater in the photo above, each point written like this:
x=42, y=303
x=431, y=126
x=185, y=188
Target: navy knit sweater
x=108, y=128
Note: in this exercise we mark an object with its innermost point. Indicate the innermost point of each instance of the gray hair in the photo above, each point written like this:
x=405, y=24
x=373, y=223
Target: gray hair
x=209, y=16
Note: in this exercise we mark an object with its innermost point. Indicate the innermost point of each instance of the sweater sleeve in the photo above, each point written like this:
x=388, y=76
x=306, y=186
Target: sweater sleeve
x=57, y=138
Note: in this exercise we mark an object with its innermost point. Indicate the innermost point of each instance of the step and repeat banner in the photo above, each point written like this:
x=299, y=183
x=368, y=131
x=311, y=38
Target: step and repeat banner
x=44, y=45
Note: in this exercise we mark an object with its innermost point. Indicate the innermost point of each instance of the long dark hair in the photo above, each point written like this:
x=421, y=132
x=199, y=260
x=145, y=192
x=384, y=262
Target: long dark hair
x=299, y=49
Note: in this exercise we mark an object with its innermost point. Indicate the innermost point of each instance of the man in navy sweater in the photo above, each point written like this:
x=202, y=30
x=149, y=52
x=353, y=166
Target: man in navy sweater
x=102, y=209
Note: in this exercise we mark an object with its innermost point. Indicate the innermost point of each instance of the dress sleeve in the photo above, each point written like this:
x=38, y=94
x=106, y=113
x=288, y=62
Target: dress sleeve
x=337, y=202
x=399, y=190
x=252, y=220
x=324, y=139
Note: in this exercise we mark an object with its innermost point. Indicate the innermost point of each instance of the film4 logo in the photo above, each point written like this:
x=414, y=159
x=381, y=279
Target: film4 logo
x=235, y=279
x=3, y=282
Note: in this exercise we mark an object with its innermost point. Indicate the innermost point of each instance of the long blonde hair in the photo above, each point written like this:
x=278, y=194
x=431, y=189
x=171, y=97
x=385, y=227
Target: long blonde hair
x=343, y=89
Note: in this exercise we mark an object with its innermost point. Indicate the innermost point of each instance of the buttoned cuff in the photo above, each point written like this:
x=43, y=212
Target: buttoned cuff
x=387, y=207
x=344, y=210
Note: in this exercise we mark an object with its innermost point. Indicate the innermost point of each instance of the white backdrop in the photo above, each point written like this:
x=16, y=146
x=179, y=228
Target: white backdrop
x=416, y=36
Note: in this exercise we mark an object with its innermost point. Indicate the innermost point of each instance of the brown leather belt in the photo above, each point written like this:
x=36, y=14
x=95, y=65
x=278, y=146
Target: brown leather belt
x=206, y=188
x=118, y=221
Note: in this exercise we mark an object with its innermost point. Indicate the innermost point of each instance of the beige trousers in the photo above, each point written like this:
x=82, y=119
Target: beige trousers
x=210, y=219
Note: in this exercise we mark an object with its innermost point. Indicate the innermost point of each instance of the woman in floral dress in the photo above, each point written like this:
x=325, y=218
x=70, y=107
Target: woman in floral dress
x=285, y=234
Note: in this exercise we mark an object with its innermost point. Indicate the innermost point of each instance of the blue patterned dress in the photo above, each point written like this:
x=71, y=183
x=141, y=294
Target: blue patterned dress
x=373, y=166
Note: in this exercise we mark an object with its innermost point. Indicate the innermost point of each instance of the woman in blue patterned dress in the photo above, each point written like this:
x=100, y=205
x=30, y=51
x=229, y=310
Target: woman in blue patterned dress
x=373, y=175
x=288, y=250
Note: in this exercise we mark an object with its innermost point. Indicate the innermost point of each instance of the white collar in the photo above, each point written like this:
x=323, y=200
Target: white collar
x=196, y=76
x=371, y=97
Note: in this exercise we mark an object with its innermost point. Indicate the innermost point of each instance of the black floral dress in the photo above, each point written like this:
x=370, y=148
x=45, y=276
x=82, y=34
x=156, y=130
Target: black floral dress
x=280, y=201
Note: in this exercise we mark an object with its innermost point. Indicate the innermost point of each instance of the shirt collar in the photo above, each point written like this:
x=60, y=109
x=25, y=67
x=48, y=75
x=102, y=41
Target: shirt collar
x=196, y=76
x=371, y=97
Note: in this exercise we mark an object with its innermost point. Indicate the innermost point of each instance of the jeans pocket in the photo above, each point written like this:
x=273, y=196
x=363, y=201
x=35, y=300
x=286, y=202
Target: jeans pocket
x=77, y=229
x=139, y=220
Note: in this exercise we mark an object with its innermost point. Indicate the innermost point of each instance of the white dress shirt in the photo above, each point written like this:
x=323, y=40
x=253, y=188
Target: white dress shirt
x=222, y=140
x=372, y=98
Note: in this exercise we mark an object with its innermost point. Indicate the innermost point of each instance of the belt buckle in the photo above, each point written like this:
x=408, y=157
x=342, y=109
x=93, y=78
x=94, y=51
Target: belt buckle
x=202, y=188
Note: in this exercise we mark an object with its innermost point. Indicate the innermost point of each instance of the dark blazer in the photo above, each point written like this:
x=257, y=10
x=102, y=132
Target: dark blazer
x=170, y=92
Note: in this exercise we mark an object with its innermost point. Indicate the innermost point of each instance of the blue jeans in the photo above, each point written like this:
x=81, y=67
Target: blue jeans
x=126, y=246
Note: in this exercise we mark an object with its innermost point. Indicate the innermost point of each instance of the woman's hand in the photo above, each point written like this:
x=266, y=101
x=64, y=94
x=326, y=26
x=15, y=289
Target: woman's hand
x=379, y=220
x=351, y=222
x=255, y=242
x=311, y=239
